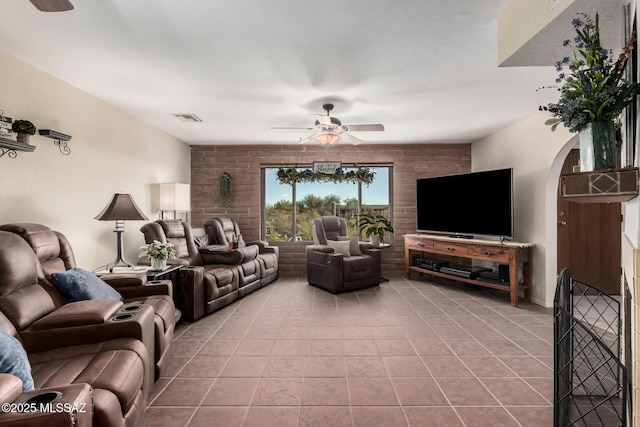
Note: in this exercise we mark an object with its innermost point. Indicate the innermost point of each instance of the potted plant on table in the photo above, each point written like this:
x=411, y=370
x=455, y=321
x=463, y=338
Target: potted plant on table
x=593, y=94
x=24, y=129
x=158, y=253
x=374, y=227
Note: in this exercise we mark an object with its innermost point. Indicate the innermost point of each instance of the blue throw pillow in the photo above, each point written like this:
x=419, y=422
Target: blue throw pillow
x=79, y=285
x=13, y=359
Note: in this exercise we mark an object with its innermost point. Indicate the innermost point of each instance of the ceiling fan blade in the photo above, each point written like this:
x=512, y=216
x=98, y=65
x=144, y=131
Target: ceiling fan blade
x=307, y=139
x=350, y=139
x=286, y=127
x=361, y=128
x=323, y=119
x=52, y=5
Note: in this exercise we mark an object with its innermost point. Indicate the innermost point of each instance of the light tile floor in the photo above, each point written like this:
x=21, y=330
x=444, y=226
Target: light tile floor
x=407, y=353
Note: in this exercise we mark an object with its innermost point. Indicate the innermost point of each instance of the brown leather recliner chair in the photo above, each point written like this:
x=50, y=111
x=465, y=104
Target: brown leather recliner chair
x=204, y=288
x=223, y=231
x=56, y=255
x=85, y=342
x=335, y=272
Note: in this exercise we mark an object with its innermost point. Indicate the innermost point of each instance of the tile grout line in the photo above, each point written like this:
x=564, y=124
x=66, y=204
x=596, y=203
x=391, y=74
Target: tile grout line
x=474, y=376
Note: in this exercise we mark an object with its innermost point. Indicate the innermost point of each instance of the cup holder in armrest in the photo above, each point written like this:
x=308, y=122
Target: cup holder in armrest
x=131, y=308
x=121, y=317
x=154, y=281
x=44, y=398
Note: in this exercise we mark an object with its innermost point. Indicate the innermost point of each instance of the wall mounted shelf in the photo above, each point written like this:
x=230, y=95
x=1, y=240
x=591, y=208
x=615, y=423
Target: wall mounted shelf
x=60, y=139
x=604, y=186
x=11, y=147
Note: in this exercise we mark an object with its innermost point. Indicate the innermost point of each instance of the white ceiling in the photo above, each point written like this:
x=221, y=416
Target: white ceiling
x=425, y=69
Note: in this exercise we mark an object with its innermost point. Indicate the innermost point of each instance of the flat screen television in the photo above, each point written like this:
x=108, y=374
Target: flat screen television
x=467, y=205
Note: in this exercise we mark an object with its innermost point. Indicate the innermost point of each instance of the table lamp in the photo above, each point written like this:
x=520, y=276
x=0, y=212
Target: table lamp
x=119, y=209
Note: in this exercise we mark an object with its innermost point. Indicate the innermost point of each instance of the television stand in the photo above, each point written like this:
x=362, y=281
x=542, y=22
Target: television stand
x=513, y=254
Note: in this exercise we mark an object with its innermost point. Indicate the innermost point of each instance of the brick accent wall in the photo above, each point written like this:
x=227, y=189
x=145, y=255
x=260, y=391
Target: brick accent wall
x=410, y=162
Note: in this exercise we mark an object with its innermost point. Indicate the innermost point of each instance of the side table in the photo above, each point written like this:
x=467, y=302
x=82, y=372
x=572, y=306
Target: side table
x=170, y=272
x=383, y=246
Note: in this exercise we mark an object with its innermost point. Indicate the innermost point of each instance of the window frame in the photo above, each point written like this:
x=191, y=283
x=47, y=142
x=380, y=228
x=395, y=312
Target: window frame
x=346, y=165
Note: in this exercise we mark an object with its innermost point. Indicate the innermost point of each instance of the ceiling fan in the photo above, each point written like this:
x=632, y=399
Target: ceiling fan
x=52, y=5
x=330, y=130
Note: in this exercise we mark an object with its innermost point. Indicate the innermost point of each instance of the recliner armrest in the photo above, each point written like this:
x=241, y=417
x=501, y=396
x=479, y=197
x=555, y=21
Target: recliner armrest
x=232, y=257
x=208, y=249
x=261, y=243
x=74, y=407
x=265, y=247
x=320, y=248
x=80, y=313
x=121, y=280
x=322, y=254
x=152, y=287
x=130, y=320
x=10, y=387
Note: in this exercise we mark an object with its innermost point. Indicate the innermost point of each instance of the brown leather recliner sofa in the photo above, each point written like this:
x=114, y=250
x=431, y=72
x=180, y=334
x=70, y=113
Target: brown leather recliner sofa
x=336, y=272
x=97, y=352
x=214, y=276
x=203, y=288
x=225, y=231
x=55, y=255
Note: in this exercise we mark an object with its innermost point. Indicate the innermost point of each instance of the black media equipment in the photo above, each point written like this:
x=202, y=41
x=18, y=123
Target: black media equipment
x=500, y=277
x=414, y=259
x=468, y=272
x=431, y=264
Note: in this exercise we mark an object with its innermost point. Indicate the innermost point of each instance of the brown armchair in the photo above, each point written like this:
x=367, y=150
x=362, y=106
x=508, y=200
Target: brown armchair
x=356, y=266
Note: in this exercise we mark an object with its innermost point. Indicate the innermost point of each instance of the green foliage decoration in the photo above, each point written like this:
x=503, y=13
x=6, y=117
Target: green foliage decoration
x=374, y=224
x=23, y=126
x=225, y=184
x=159, y=250
x=293, y=175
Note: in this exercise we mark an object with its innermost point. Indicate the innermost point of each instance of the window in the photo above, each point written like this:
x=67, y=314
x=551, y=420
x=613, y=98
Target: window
x=314, y=197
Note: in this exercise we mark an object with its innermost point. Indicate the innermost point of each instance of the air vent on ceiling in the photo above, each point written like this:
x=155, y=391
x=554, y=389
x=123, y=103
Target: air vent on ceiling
x=188, y=117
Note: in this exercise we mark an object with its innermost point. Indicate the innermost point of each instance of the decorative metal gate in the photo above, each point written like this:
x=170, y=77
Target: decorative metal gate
x=590, y=386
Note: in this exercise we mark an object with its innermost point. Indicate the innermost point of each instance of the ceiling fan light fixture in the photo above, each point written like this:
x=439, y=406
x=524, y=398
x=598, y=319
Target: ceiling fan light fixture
x=328, y=137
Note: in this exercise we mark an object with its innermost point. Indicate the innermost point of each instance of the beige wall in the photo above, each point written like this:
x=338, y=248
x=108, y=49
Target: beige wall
x=533, y=151
x=521, y=20
x=110, y=152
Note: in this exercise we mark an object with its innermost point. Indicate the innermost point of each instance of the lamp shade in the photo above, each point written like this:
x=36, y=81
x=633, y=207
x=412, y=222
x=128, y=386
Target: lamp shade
x=174, y=197
x=120, y=208
x=328, y=137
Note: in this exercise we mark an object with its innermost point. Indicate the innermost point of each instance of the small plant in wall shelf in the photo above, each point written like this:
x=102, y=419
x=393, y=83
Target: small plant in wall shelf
x=225, y=184
x=24, y=129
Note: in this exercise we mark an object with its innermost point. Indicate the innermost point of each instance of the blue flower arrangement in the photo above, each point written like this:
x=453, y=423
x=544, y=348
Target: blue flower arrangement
x=593, y=88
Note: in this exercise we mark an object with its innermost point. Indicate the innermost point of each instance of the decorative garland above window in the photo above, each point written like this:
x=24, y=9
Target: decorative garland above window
x=292, y=175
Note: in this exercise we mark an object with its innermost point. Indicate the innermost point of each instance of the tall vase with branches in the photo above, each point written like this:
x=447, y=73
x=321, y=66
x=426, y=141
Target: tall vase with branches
x=593, y=93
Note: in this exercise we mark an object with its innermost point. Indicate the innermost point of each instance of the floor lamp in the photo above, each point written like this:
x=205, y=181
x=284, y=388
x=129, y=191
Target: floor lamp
x=119, y=209
x=174, y=197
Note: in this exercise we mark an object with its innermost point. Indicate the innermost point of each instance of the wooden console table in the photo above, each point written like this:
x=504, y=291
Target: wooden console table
x=513, y=254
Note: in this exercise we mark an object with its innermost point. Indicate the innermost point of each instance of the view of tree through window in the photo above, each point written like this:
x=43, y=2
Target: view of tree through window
x=314, y=199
